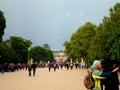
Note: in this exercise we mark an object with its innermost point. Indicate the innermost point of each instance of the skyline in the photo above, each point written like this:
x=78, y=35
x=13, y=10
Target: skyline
x=51, y=22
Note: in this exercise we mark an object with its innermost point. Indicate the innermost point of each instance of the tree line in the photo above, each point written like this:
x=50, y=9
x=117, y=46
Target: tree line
x=19, y=50
x=99, y=42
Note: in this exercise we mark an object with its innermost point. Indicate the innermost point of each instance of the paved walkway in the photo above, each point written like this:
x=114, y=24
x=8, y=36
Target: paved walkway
x=44, y=80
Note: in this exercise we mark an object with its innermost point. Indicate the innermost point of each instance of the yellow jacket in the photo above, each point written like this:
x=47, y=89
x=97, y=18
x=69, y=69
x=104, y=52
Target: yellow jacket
x=97, y=82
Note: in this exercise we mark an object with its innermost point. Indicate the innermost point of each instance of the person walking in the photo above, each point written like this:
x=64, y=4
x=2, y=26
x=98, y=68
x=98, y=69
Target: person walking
x=29, y=69
x=50, y=66
x=34, y=66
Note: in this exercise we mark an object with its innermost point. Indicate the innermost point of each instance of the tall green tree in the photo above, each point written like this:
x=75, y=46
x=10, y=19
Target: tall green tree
x=106, y=42
x=7, y=54
x=109, y=34
x=103, y=43
x=98, y=49
x=80, y=41
x=3, y=53
x=20, y=46
x=114, y=28
x=2, y=25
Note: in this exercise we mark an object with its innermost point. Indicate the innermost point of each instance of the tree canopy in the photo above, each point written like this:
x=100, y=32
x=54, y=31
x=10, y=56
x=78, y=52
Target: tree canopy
x=97, y=42
x=80, y=41
x=2, y=25
x=20, y=46
x=39, y=54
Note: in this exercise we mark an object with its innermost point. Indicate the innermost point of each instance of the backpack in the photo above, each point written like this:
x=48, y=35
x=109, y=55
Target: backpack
x=88, y=80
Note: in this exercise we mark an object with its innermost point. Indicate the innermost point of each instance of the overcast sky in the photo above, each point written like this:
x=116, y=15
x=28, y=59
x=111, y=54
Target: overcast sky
x=51, y=21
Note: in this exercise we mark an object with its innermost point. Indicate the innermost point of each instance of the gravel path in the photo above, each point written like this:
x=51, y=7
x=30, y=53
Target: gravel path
x=44, y=80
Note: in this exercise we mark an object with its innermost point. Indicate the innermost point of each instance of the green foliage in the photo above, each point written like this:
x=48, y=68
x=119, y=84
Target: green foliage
x=112, y=26
x=97, y=42
x=97, y=49
x=50, y=55
x=40, y=54
x=80, y=41
x=2, y=25
x=3, y=53
x=68, y=48
x=7, y=54
x=20, y=46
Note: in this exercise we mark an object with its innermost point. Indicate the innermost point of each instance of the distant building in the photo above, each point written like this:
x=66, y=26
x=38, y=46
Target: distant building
x=46, y=46
x=60, y=56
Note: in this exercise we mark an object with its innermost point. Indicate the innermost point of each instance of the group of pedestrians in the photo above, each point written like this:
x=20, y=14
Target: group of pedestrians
x=105, y=75
x=11, y=67
x=66, y=65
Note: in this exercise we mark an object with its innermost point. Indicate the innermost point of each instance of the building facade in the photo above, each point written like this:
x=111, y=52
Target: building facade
x=59, y=56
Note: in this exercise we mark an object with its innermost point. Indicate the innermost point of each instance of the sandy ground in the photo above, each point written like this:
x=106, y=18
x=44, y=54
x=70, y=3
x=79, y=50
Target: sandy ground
x=44, y=80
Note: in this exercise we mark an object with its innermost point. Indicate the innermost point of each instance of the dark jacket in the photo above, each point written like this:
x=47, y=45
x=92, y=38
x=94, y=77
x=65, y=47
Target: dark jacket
x=111, y=82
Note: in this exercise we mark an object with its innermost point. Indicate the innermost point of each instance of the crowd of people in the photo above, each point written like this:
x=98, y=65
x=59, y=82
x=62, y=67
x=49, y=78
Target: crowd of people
x=12, y=67
x=104, y=73
x=31, y=67
x=67, y=65
x=17, y=67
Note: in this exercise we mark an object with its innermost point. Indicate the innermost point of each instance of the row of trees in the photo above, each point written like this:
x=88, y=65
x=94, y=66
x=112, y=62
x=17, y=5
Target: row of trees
x=101, y=41
x=17, y=49
x=14, y=50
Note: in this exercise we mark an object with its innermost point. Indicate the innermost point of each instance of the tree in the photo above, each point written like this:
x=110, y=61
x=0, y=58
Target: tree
x=102, y=42
x=7, y=54
x=20, y=46
x=68, y=49
x=2, y=25
x=80, y=41
x=98, y=49
x=38, y=54
x=114, y=34
x=109, y=34
x=50, y=55
x=3, y=53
